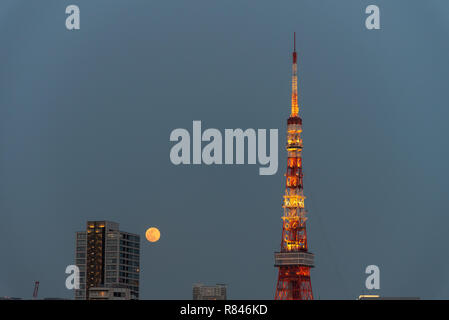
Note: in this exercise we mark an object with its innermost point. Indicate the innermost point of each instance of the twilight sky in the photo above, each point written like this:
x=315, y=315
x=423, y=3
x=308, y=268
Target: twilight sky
x=85, y=120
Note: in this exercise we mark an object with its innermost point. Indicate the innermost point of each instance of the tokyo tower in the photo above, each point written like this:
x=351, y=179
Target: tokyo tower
x=294, y=261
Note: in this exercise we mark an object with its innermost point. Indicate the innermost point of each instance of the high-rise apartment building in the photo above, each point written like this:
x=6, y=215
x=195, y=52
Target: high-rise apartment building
x=202, y=292
x=107, y=258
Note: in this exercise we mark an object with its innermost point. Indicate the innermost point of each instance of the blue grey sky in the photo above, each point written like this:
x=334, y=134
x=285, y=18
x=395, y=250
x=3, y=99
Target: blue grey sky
x=85, y=119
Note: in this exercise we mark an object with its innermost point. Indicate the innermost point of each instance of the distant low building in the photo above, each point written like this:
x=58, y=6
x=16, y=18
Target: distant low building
x=377, y=297
x=96, y=293
x=202, y=292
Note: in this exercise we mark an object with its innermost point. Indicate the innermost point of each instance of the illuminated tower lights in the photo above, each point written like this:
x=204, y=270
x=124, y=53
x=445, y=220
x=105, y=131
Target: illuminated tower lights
x=294, y=261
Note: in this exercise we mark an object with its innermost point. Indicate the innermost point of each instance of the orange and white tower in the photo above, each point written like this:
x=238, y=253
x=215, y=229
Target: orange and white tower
x=294, y=261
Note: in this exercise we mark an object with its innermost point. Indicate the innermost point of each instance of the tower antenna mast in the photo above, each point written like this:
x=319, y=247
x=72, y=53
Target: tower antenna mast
x=294, y=41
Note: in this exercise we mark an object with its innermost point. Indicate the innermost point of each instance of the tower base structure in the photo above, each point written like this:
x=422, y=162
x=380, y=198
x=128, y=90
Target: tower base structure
x=294, y=275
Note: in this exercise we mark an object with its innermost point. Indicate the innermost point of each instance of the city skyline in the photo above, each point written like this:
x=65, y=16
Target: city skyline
x=86, y=117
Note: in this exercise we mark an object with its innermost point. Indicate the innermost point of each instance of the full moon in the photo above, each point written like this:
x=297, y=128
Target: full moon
x=153, y=234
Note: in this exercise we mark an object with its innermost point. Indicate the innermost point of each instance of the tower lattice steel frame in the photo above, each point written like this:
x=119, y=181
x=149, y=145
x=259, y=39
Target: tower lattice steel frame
x=294, y=261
